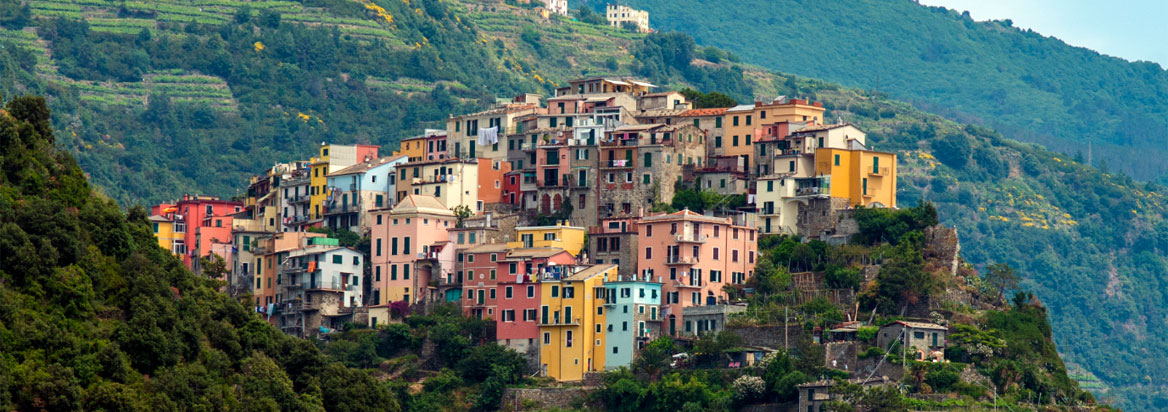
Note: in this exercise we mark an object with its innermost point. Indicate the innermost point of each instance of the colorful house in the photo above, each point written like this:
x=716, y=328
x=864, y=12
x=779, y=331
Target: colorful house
x=357, y=189
x=332, y=158
x=561, y=236
x=453, y=182
x=632, y=309
x=571, y=320
x=409, y=245
x=695, y=256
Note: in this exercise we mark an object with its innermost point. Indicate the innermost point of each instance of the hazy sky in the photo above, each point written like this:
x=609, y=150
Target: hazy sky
x=1131, y=29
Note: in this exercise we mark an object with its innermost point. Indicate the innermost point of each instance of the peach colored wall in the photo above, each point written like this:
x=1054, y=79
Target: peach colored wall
x=421, y=230
x=659, y=241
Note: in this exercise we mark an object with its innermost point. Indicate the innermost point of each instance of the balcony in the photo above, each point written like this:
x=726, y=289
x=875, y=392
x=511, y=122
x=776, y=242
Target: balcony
x=617, y=163
x=557, y=322
x=680, y=260
x=883, y=171
x=298, y=199
x=690, y=238
x=811, y=191
x=434, y=179
x=342, y=208
x=428, y=255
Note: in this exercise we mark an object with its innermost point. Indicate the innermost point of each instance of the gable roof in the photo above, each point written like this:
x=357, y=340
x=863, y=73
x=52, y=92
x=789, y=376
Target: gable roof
x=919, y=325
x=590, y=272
x=686, y=214
x=421, y=204
x=365, y=166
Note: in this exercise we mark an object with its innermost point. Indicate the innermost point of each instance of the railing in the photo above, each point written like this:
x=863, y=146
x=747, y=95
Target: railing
x=434, y=179
x=298, y=199
x=690, y=238
x=808, y=191
x=342, y=208
x=617, y=163
x=618, y=142
x=883, y=171
x=428, y=255
x=299, y=219
x=556, y=322
x=680, y=260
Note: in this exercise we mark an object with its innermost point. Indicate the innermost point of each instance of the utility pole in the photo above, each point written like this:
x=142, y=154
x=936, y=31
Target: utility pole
x=786, y=317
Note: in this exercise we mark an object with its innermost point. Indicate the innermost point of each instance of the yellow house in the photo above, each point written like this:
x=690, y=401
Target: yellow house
x=414, y=148
x=571, y=321
x=331, y=159
x=569, y=238
x=743, y=124
x=164, y=232
x=864, y=177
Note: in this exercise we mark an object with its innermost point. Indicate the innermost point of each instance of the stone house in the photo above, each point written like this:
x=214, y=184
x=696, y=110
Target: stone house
x=926, y=339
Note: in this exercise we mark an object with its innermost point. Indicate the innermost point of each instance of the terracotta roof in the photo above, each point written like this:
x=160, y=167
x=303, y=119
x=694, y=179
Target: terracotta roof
x=365, y=166
x=660, y=113
x=703, y=112
x=659, y=94
x=590, y=272
x=637, y=127
x=158, y=218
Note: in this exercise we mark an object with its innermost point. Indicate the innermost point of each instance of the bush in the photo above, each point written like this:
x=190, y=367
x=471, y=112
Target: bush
x=942, y=380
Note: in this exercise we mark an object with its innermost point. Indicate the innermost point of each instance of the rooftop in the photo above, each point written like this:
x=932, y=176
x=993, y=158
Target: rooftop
x=919, y=325
x=421, y=204
x=703, y=112
x=820, y=128
x=365, y=166
x=591, y=271
x=535, y=252
x=685, y=215
x=509, y=108
x=488, y=248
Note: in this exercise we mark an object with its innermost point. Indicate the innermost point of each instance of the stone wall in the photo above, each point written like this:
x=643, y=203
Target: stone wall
x=864, y=367
x=841, y=355
x=536, y=399
x=942, y=245
x=769, y=336
x=820, y=218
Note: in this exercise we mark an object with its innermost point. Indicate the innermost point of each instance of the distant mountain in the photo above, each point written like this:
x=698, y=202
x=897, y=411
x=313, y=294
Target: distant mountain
x=161, y=98
x=1031, y=87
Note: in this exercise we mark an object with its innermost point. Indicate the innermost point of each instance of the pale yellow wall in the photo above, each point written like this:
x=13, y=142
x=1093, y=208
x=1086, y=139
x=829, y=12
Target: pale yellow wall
x=569, y=238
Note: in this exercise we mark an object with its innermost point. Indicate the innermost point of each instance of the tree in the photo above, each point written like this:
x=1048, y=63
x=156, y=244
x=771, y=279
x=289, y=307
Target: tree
x=953, y=150
x=902, y=280
x=462, y=212
x=1001, y=277
x=654, y=357
x=712, y=346
x=586, y=15
x=213, y=266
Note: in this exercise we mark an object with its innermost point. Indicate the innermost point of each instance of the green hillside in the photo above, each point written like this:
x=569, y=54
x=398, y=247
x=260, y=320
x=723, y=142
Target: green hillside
x=1030, y=87
x=95, y=316
x=184, y=107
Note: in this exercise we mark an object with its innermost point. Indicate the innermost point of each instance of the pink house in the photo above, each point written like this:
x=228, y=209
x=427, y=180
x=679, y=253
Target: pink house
x=408, y=243
x=694, y=256
x=518, y=294
x=205, y=222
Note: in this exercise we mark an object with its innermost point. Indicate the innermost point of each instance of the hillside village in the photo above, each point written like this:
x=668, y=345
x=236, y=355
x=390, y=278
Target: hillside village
x=562, y=221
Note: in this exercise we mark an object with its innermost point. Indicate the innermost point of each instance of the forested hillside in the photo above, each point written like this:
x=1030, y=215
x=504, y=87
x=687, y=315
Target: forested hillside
x=1031, y=87
x=95, y=316
x=1089, y=243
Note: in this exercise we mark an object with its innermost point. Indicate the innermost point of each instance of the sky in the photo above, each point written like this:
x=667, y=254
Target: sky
x=1130, y=29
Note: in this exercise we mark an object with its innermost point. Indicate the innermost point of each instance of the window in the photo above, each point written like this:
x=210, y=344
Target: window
x=392, y=272
x=791, y=166
x=648, y=160
x=734, y=256
x=648, y=253
x=837, y=160
x=734, y=141
x=555, y=291
x=338, y=259
x=717, y=142
x=716, y=253
x=492, y=293
x=736, y=120
x=547, y=338
x=568, y=338
x=507, y=293
x=645, y=179
x=377, y=274
x=718, y=123
x=648, y=230
x=865, y=185
x=356, y=260
x=770, y=185
x=406, y=271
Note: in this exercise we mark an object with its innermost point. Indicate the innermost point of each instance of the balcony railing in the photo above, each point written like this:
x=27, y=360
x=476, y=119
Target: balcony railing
x=434, y=179
x=883, y=171
x=690, y=238
x=810, y=191
x=298, y=199
x=680, y=260
x=342, y=208
x=617, y=163
x=556, y=321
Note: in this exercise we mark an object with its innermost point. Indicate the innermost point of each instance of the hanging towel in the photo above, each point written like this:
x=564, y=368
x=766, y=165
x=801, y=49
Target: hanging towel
x=488, y=136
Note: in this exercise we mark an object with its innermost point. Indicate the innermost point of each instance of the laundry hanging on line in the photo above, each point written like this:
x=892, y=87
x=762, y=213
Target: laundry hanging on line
x=488, y=136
